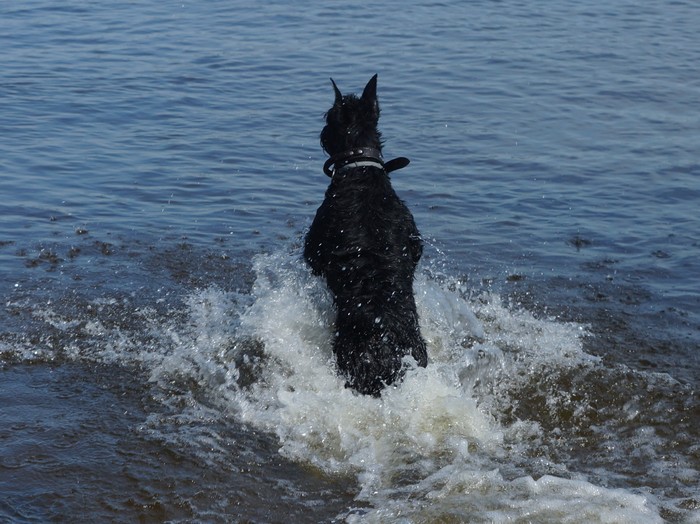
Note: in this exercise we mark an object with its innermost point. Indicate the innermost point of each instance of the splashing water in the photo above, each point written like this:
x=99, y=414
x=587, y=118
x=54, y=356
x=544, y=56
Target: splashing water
x=433, y=447
x=449, y=443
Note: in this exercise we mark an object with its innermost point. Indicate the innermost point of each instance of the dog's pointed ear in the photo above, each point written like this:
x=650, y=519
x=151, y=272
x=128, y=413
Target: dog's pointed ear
x=370, y=92
x=338, y=94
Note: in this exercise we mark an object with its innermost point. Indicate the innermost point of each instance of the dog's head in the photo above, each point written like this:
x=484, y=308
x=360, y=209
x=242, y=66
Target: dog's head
x=352, y=121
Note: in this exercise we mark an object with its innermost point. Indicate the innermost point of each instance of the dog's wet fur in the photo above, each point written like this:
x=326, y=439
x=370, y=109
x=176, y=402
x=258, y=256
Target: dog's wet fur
x=365, y=243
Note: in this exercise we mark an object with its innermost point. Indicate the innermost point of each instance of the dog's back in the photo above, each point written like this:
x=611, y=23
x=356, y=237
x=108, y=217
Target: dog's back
x=364, y=241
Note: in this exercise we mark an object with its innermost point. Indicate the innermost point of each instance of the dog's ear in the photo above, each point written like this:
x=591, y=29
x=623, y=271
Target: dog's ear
x=369, y=95
x=338, y=94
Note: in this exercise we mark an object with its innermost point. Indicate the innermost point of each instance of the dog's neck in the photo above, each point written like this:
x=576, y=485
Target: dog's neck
x=362, y=157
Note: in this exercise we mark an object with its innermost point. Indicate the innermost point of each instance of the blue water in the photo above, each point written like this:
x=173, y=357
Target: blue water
x=159, y=164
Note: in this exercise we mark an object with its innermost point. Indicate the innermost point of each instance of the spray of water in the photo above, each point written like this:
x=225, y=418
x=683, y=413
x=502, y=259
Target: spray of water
x=439, y=446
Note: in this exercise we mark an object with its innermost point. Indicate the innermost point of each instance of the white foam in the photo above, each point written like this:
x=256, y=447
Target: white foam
x=425, y=450
x=429, y=449
x=458, y=492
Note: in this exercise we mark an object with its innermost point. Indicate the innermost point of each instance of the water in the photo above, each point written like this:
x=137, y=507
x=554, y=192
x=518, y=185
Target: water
x=165, y=353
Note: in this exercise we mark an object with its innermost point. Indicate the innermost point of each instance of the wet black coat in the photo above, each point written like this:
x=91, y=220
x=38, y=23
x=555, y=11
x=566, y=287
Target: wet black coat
x=365, y=242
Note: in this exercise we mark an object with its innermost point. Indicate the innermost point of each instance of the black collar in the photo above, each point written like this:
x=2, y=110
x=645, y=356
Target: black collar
x=362, y=156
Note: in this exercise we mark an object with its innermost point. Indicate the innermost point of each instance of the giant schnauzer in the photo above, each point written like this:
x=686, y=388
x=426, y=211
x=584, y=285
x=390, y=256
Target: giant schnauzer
x=364, y=241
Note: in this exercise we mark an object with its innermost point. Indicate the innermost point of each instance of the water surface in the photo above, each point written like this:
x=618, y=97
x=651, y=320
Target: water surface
x=165, y=353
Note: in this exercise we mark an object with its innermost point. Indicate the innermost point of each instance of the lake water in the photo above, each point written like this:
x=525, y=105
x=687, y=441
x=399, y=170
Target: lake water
x=165, y=353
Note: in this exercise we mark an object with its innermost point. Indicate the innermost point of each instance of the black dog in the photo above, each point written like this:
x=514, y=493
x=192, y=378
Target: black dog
x=364, y=241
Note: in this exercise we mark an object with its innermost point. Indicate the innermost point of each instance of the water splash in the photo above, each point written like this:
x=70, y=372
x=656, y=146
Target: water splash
x=432, y=446
x=444, y=444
